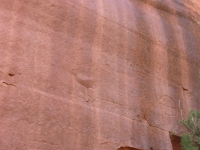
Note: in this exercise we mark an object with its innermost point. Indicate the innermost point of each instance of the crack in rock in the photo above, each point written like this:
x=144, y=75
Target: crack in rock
x=128, y=148
x=9, y=84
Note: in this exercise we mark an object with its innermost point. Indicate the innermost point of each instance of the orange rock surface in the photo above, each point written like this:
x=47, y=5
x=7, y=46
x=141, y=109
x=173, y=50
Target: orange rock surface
x=97, y=74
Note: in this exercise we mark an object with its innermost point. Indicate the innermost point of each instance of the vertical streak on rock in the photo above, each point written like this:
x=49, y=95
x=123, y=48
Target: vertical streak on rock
x=8, y=49
x=159, y=60
x=45, y=76
x=12, y=44
x=121, y=76
x=174, y=56
x=13, y=23
x=145, y=52
x=12, y=49
x=86, y=68
x=118, y=38
x=123, y=65
x=163, y=35
x=183, y=69
x=174, y=47
x=142, y=59
x=190, y=35
x=77, y=28
x=73, y=29
x=108, y=72
x=97, y=42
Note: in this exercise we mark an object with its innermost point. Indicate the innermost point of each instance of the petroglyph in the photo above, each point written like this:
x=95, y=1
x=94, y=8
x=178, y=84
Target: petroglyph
x=167, y=101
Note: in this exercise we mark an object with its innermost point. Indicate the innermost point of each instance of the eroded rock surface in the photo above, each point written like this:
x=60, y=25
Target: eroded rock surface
x=97, y=74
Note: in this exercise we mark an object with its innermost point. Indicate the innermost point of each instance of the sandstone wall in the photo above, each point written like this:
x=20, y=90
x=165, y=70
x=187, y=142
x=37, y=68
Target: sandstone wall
x=97, y=74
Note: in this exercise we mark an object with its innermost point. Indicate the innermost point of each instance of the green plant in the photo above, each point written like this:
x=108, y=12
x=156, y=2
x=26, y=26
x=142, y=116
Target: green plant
x=191, y=141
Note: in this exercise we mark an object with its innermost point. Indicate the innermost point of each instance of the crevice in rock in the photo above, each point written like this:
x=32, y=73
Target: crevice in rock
x=128, y=148
x=145, y=119
x=9, y=84
x=176, y=142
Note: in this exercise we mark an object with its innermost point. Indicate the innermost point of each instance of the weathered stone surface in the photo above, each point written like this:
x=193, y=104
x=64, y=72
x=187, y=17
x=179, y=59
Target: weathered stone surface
x=97, y=74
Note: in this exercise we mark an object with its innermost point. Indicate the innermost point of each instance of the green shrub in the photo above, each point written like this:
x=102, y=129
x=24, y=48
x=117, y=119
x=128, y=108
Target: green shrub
x=191, y=141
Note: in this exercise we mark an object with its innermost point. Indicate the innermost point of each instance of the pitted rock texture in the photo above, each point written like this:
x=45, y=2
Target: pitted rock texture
x=97, y=74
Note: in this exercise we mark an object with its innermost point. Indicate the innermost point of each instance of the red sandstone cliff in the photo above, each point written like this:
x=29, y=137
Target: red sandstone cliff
x=96, y=74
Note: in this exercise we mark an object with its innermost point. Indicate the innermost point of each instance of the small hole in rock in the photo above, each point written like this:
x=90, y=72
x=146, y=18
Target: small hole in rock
x=11, y=74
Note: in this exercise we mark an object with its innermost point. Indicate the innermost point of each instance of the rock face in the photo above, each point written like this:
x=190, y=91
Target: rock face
x=97, y=74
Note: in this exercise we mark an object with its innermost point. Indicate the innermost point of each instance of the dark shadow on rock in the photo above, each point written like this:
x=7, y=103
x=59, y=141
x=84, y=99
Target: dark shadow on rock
x=128, y=148
x=176, y=142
